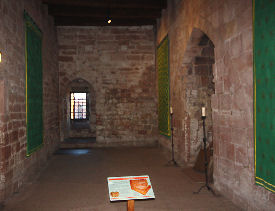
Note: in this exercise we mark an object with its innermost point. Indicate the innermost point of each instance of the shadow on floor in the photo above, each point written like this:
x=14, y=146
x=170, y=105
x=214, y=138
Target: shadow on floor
x=72, y=151
x=194, y=175
x=73, y=143
x=80, y=140
x=2, y=206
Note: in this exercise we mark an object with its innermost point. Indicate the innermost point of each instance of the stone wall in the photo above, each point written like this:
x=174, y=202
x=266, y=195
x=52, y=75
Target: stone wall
x=119, y=63
x=228, y=24
x=15, y=167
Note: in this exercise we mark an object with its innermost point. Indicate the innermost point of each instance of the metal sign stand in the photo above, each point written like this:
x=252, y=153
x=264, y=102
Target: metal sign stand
x=131, y=205
x=206, y=185
x=173, y=162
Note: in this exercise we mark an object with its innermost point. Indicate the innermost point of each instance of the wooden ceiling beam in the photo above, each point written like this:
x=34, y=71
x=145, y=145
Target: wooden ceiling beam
x=87, y=21
x=102, y=12
x=152, y=4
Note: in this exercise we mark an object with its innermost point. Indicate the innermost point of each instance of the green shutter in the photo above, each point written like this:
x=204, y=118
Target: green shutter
x=264, y=92
x=163, y=87
x=34, y=85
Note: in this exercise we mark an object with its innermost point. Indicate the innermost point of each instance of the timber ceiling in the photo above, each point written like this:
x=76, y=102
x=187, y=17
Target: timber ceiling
x=96, y=12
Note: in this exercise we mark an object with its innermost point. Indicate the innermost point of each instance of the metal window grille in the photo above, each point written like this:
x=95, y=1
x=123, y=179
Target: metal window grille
x=78, y=106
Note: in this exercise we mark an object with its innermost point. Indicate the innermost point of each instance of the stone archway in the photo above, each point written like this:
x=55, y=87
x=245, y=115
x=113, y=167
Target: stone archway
x=85, y=128
x=197, y=89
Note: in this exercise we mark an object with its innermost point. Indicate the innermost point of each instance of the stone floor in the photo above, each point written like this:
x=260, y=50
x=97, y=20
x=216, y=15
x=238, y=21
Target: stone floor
x=75, y=180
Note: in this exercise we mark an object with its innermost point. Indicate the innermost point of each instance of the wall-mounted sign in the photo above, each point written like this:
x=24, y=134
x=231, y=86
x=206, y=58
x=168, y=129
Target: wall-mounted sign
x=130, y=188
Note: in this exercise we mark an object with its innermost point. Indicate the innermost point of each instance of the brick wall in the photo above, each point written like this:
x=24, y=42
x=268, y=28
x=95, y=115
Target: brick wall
x=119, y=64
x=15, y=167
x=228, y=24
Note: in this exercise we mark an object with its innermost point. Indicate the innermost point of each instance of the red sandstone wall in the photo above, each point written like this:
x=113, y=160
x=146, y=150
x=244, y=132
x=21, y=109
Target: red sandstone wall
x=228, y=23
x=15, y=167
x=119, y=63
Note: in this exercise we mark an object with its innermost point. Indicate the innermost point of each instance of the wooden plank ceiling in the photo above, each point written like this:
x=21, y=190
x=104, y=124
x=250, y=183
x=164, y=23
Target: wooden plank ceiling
x=96, y=12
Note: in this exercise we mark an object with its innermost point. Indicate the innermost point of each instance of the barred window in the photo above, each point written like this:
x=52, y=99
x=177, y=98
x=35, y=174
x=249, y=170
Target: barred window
x=78, y=106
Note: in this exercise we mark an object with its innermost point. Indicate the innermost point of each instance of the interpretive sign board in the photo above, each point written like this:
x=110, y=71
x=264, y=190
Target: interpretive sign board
x=130, y=188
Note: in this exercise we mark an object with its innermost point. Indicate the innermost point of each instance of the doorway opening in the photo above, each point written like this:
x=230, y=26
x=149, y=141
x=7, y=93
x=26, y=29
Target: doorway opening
x=198, y=89
x=79, y=115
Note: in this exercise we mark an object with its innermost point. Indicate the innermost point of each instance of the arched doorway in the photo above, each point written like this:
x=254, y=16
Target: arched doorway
x=197, y=89
x=80, y=110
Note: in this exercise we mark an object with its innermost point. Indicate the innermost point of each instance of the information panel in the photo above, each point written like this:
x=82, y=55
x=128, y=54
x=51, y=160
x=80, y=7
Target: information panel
x=130, y=188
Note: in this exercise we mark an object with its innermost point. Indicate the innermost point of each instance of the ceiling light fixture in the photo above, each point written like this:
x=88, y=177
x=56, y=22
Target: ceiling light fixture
x=109, y=20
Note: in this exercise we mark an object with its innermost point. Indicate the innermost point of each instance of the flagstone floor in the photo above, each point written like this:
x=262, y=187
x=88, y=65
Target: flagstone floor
x=76, y=180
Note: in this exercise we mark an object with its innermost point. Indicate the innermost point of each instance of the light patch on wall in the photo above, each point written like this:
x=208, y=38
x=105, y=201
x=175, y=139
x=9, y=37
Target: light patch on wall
x=78, y=105
x=0, y=56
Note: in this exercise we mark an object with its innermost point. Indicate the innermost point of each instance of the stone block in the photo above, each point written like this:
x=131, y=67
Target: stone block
x=241, y=155
x=214, y=102
x=241, y=101
x=238, y=120
x=65, y=58
x=229, y=29
x=5, y=153
x=247, y=41
x=239, y=136
x=2, y=97
x=204, y=60
x=208, y=51
x=225, y=101
x=236, y=47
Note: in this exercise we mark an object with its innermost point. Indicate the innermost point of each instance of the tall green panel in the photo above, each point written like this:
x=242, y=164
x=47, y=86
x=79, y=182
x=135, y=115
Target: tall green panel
x=163, y=87
x=34, y=85
x=264, y=92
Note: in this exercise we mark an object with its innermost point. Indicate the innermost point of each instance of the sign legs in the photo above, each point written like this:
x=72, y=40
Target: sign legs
x=131, y=205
